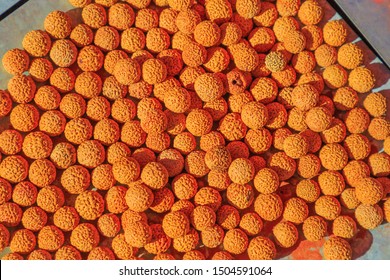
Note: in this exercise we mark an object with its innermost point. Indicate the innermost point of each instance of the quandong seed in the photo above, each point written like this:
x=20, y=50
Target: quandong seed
x=189, y=130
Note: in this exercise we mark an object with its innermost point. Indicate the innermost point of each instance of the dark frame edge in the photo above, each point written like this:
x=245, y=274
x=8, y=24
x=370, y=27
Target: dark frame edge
x=12, y=9
x=346, y=17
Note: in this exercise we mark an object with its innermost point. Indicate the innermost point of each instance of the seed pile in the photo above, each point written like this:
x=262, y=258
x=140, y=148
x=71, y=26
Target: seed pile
x=210, y=129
